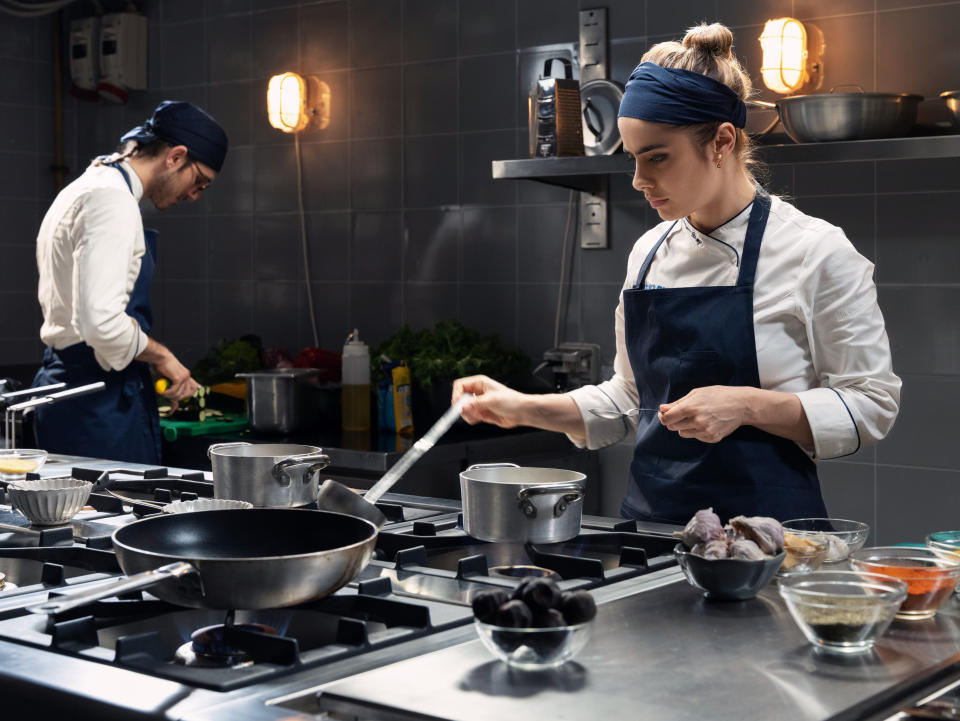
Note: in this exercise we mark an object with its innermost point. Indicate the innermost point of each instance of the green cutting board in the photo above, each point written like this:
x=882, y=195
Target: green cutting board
x=172, y=430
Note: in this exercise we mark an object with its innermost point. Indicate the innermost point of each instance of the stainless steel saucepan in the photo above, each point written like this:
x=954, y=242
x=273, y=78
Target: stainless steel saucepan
x=504, y=502
x=268, y=475
x=277, y=399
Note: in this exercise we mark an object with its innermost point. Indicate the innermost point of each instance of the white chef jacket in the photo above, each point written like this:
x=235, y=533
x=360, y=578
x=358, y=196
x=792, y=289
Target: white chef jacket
x=819, y=331
x=88, y=254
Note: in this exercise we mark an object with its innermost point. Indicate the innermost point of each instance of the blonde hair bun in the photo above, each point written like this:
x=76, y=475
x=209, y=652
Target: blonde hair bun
x=715, y=39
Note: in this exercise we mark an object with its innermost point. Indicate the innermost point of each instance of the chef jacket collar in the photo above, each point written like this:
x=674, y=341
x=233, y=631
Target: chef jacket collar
x=732, y=233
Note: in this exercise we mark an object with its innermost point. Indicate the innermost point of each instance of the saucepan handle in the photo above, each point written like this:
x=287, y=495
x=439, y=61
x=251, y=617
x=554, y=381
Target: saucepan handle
x=492, y=465
x=569, y=493
x=835, y=88
x=317, y=462
x=59, y=604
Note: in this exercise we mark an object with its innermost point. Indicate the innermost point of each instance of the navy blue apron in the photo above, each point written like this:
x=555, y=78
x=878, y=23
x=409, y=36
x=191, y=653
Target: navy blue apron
x=679, y=339
x=120, y=422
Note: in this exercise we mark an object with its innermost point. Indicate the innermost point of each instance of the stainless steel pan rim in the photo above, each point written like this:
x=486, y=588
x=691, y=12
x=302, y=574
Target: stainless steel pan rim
x=199, y=514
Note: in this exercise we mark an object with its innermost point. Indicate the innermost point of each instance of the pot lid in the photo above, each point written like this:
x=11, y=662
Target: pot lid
x=599, y=105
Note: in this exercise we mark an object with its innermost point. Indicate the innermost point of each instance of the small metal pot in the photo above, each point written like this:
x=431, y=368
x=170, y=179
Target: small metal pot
x=952, y=99
x=503, y=502
x=276, y=399
x=268, y=475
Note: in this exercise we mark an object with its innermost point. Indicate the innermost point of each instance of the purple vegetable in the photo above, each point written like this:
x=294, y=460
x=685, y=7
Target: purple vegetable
x=744, y=548
x=704, y=526
x=766, y=532
x=714, y=550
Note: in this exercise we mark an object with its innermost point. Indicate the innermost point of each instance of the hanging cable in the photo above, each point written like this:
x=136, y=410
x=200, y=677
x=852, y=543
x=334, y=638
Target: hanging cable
x=21, y=9
x=563, y=275
x=303, y=242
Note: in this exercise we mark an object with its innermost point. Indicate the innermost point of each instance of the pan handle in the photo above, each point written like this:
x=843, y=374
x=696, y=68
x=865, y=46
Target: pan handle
x=571, y=493
x=317, y=463
x=218, y=446
x=764, y=105
x=59, y=604
x=13, y=528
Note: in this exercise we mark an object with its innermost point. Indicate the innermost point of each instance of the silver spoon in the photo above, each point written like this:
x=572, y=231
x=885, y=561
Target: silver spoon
x=614, y=415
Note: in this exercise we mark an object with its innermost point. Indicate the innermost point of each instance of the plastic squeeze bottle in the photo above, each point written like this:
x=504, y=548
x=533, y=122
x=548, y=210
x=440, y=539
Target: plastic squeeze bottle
x=356, y=384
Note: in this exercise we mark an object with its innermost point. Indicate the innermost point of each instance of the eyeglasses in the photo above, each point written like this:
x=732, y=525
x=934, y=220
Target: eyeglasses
x=200, y=180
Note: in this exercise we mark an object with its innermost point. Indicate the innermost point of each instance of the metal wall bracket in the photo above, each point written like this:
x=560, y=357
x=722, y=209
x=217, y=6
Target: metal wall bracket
x=593, y=65
x=593, y=44
x=593, y=218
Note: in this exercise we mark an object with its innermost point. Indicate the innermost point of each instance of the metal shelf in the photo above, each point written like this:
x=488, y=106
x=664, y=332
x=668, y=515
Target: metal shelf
x=584, y=173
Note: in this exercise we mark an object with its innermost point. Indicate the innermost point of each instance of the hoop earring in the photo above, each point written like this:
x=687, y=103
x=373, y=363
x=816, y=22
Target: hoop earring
x=719, y=159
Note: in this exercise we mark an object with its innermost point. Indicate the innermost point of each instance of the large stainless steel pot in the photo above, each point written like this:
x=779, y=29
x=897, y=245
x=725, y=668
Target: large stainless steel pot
x=268, y=475
x=504, y=502
x=276, y=399
x=845, y=116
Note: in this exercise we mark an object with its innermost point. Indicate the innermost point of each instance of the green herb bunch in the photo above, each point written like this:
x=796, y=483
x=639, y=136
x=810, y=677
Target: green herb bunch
x=227, y=358
x=446, y=352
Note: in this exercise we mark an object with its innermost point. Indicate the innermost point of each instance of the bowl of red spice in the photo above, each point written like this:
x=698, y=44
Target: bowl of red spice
x=930, y=577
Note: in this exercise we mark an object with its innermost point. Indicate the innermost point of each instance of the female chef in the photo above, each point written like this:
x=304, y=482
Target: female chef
x=750, y=328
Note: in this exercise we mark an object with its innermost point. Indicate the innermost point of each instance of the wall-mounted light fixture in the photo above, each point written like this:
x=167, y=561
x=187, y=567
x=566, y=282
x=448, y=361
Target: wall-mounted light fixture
x=791, y=56
x=296, y=103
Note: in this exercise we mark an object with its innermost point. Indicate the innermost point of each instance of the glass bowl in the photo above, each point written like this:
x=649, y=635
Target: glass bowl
x=841, y=536
x=16, y=463
x=534, y=649
x=947, y=542
x=49, y=501
x=804, y=553
x=727, y=579
x=930, y=576
x=842, y=611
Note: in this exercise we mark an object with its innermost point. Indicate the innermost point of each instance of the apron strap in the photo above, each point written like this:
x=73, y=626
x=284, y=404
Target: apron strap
x=751, y=244
x=641, y=276
x=126, y=178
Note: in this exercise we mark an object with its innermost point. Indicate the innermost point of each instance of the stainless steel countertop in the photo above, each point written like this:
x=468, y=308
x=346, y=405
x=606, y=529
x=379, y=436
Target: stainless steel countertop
x=666, y=653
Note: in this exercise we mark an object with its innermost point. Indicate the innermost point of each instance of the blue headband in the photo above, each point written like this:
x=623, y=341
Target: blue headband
x=182, y=123
x=679, y=97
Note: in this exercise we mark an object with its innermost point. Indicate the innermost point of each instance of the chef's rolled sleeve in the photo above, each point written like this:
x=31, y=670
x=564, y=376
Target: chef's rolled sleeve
x=834, y=430
x=610, y=395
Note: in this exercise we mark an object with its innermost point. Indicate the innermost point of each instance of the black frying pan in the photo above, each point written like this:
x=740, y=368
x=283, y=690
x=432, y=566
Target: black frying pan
x=234, y=559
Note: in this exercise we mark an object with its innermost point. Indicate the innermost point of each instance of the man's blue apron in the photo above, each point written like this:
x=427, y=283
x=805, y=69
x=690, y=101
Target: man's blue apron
x=679, y=339
x=120, y=422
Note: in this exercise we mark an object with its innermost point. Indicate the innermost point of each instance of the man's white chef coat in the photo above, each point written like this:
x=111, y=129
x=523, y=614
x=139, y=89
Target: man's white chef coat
x=819, y=331
x=88, y=254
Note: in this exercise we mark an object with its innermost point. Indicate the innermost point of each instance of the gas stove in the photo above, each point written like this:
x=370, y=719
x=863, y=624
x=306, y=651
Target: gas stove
x=414, y=596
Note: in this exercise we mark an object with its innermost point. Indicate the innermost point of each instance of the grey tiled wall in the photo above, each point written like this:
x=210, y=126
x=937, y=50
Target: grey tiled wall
x=405, y=224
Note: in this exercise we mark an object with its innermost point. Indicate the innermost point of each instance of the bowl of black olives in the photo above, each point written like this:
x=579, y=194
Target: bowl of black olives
x=536, y=627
